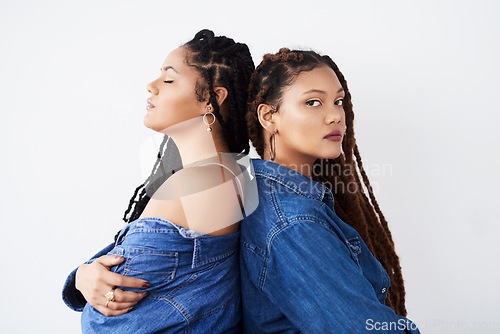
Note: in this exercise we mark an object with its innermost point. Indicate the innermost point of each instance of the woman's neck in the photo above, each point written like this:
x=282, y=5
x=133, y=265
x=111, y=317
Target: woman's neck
x=195, y=142
x=301, y=167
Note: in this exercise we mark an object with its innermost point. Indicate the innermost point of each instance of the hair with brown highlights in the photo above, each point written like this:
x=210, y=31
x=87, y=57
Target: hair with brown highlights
x=220, y=61
x=357, y=208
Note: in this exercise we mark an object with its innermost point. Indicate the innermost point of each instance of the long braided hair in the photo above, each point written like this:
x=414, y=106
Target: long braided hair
x=354, y=205
x=220, y=61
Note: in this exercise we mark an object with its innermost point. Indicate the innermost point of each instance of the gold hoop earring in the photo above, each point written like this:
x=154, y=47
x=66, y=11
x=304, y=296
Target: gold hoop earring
x=272, y=154
x=209, y=112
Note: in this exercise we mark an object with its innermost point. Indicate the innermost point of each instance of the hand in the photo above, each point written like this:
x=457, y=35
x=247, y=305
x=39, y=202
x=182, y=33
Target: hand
x=95, y=280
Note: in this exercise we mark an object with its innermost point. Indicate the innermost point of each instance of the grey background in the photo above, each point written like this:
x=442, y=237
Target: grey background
x=424, y=76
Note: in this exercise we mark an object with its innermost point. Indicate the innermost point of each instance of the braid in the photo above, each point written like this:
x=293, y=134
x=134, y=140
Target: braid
x=139, y=204
x=213, y=98
x=360, y=210
x=223, y=62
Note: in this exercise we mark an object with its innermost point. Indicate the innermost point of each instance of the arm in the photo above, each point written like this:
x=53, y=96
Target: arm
x=315, y=283
x=92, y=280
x=73, y=297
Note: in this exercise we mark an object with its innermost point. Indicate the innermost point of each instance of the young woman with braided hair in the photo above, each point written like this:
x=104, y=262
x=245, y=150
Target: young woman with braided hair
x=176, y=262
x=317, y=255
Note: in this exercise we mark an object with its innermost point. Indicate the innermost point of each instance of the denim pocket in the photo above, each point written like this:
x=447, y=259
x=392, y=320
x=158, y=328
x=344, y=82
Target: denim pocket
x=155, y=266
x=224, y=272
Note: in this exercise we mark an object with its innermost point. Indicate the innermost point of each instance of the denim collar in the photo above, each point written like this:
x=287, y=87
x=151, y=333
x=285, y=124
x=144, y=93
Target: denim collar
x=293, y=180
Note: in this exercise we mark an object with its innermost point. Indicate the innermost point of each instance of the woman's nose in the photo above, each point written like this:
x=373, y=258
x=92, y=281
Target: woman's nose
x=335, y=115
x=151, y=88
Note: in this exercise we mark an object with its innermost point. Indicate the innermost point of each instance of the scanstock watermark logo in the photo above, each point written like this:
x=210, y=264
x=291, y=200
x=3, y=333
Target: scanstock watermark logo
x=400, y=325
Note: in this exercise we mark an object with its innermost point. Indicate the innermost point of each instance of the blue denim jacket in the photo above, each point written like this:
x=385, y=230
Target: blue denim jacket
x=303, y=269
x=194, y=277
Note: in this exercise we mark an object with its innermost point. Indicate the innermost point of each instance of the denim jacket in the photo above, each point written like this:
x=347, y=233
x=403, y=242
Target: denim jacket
x=303, y=269
x=194, y=277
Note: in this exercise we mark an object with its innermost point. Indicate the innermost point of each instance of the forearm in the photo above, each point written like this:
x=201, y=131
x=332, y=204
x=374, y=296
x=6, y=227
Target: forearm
x=70, y=294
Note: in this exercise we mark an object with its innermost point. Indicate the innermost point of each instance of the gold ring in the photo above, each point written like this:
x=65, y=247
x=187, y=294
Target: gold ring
x=110, y=296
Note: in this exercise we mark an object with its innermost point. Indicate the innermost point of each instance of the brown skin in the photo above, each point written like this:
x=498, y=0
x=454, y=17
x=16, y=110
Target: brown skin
x=95, y=280
x=172, y=94
x=311, y=107
x=175, y=102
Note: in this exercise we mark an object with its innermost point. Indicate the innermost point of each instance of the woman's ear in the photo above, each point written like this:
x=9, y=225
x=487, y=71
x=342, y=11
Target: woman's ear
x=265, y=114
x=220, y=94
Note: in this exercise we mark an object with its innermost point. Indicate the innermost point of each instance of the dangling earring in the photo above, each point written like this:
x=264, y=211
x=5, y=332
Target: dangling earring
x=209, y=112
x=272, y=154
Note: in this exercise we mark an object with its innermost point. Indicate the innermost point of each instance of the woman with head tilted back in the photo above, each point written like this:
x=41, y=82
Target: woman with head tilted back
x=317, y=255
x=176, y=262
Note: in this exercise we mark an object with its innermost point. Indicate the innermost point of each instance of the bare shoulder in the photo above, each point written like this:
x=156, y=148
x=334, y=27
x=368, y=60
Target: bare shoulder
x=209, y=197
x=205, y=178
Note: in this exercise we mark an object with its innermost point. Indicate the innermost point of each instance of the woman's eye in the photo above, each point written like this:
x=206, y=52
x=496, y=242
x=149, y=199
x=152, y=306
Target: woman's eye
x=313, y=103
x=168, y=81
x=339, y=102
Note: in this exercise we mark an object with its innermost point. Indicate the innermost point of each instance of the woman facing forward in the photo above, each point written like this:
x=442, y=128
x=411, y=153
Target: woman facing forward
x=181, y=246
x=317, y=255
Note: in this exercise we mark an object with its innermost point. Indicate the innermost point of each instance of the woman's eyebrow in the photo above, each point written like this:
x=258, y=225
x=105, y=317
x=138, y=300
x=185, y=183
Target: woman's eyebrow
x=166, y=68
x=315, y=91
x=321, y=91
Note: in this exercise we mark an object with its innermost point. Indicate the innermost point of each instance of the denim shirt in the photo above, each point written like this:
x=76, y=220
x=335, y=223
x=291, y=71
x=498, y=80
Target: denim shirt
x=303, y=269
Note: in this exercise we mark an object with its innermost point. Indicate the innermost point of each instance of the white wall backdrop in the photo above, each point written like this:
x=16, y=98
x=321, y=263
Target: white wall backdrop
x=424, y=76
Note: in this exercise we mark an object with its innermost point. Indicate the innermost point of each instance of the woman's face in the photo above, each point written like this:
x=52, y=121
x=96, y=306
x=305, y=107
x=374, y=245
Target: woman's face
x=310, y=122
x=173, y=98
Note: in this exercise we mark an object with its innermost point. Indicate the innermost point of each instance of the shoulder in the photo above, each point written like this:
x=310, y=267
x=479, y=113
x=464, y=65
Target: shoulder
x=281, y=202
x=261, y=234
x=279, y=207
x=202, y=179
x=302, y=230
x=209, y=198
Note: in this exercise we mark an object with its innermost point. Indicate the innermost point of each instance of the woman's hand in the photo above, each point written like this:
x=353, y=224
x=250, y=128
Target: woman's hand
x=95, y=280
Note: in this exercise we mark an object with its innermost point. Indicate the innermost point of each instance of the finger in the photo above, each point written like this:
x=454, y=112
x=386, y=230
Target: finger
x=116, y=306
x=110, y=260
x=125, y=281
x=129, y=296
x=110, y=312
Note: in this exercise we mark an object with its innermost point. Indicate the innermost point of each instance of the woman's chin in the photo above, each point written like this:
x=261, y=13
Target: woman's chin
x=330, y=155
x=147, y=121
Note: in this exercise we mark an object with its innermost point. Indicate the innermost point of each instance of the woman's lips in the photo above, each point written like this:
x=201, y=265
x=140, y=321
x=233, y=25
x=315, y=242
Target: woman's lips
x=334, y=136
x=150, y=104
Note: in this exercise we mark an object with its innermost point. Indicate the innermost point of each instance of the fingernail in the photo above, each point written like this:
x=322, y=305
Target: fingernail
x=130, y=309
x=145, y=285
x=118, y=257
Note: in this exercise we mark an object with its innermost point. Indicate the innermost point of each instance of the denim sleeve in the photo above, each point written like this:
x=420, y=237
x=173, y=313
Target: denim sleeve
x=314, y=281
x=71, y=296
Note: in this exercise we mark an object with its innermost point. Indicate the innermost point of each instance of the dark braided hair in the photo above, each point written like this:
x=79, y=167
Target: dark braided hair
x=355, y=207
x=221, y=62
